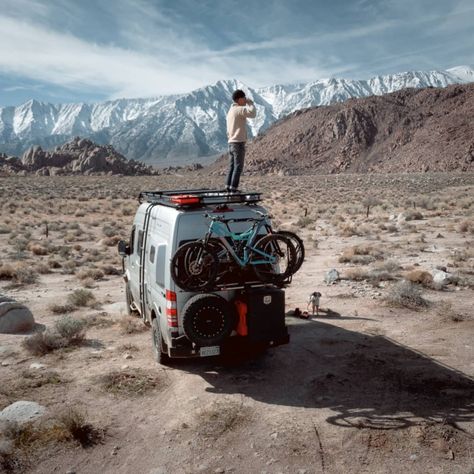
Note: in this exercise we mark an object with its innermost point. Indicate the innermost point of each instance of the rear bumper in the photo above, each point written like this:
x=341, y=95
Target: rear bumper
x=232, y=346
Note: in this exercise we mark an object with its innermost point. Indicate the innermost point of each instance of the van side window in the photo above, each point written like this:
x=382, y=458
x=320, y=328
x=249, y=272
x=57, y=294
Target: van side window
x=140, y=241
x=152, y=253
x=161, y=265
x=132, y=238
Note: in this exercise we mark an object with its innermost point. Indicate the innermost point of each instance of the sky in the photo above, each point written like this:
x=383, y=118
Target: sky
x=95, y=50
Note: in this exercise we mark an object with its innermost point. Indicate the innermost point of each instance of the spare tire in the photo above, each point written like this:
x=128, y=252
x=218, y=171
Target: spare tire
x=208, y=319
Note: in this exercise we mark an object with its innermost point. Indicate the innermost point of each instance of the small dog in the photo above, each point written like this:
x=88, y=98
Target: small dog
x=314, y=302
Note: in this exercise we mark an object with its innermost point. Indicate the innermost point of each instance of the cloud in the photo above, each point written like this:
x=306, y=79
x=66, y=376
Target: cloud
x=38, y=53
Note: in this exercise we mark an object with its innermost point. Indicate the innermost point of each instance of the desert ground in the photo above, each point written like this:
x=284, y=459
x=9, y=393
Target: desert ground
x=381, y=381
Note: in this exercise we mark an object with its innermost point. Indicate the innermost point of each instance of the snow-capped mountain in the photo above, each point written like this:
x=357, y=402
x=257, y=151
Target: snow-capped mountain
x=190, y=127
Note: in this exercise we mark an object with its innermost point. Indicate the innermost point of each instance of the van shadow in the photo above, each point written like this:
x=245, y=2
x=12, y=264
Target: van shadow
x=365, y=380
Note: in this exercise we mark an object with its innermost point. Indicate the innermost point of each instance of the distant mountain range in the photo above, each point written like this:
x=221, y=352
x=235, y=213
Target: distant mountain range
x=184, y=128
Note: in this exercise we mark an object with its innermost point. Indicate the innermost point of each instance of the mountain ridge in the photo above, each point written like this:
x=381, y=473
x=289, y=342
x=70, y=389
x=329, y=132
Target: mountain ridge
x=181, y=128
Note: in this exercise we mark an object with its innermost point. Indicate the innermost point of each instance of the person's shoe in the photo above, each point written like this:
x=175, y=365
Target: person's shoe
x=235, y=191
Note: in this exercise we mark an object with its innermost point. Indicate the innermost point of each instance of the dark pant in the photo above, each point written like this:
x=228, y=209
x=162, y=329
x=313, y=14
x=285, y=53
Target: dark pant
x=236, y=164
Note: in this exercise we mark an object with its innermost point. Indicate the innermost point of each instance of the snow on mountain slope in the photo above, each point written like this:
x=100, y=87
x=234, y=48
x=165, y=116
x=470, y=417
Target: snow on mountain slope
x=188, y=126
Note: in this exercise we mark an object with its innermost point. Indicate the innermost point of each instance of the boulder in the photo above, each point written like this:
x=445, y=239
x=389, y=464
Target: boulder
x=331, y=276
x=14, y=317
x=441, y=278
x=22, y=412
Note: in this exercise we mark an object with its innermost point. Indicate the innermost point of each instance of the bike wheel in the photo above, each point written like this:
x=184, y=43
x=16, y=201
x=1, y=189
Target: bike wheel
x=194, y=267
x=299, y=247
x=273, y=258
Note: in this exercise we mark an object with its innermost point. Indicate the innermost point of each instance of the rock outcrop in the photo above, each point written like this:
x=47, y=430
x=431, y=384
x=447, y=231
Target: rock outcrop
x=79, y=156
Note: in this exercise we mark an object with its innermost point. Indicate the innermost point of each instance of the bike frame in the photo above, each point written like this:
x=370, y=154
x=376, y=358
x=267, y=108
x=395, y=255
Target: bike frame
x=222, y=231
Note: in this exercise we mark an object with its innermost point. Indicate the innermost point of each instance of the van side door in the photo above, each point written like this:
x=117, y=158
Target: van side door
x=135, y=248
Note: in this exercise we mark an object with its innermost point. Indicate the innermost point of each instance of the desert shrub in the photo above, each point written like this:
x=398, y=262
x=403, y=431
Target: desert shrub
x=130, y=325
x=406, y=294
x=419, y=276
x=19, y=274
x=75, y=422
x=62, y=308
x=126, y=382
x=362, y=254
x=93, y=273
x=81, y=297
x=111, y=270
x=413, y=216
x=42, y=268
x=70, y=329
x=304, y=221
x=69, y=267
x=67, y=332
x=445, y=311
x=109, y=231
x=42, y=343
x=4, y=229
x=53, y=263
x=357, y=274
x=38, y=249
x=111, y=241
x=466, y=226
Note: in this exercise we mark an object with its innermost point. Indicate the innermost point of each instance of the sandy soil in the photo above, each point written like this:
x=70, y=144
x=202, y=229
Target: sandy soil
x=364, y=387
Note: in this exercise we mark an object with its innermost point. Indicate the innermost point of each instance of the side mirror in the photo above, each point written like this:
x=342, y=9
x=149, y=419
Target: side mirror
x=123, y=248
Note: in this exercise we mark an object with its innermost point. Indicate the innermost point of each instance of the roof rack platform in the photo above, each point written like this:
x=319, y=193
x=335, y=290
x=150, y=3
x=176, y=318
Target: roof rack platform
x=193, y=198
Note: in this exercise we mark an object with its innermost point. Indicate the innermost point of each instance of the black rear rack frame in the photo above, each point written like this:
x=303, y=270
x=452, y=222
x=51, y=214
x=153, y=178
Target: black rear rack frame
x=195, y=198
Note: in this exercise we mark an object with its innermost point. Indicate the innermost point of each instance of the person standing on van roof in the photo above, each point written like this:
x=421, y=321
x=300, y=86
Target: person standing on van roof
x=239, y=112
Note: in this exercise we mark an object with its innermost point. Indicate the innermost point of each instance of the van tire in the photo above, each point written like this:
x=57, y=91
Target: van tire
x=221, y=319
x=159, y=346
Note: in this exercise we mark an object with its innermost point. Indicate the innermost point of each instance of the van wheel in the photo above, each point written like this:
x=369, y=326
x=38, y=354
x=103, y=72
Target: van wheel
x=159, y=346
x=208, y=319
x=129, y=301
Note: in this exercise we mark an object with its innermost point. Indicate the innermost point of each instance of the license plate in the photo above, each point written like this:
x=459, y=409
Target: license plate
x=209, y=351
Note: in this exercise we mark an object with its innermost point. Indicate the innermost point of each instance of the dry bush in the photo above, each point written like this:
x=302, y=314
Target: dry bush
x=38, y=249
x=53, y=263
x=128, y=382
x=466, y=226
x=221, y=417
x=445, y=311
x=78, y=428
x=362, y=254
x=68, y=332
x=62, y=308
x=130, y=325
x=94, y=273
x=81, y=297
x=111, y=241
x=19, y=273
x=356, y=274
x=407, y=295
x=71, y=329
x=111, y=270
x=42, y=268
x=413, y=215
x=419, y=276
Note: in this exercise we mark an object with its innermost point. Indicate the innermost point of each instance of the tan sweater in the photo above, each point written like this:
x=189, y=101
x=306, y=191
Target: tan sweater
x=237, y=121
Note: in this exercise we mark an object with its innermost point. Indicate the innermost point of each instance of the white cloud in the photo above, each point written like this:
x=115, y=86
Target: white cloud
x=38, y=53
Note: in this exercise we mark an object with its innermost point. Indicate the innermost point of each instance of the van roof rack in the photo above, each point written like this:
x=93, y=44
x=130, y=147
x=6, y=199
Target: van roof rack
x=190, y=198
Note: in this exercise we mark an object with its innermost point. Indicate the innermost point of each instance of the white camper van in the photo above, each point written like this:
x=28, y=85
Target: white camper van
x=241, y=311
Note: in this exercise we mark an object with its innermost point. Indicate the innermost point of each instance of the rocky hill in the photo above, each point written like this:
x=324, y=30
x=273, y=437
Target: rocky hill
x=78, y=156
x=180, y=129
x=407, y=131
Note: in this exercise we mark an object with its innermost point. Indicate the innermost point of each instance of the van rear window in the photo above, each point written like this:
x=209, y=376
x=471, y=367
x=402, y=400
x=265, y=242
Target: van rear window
x=161, y=265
